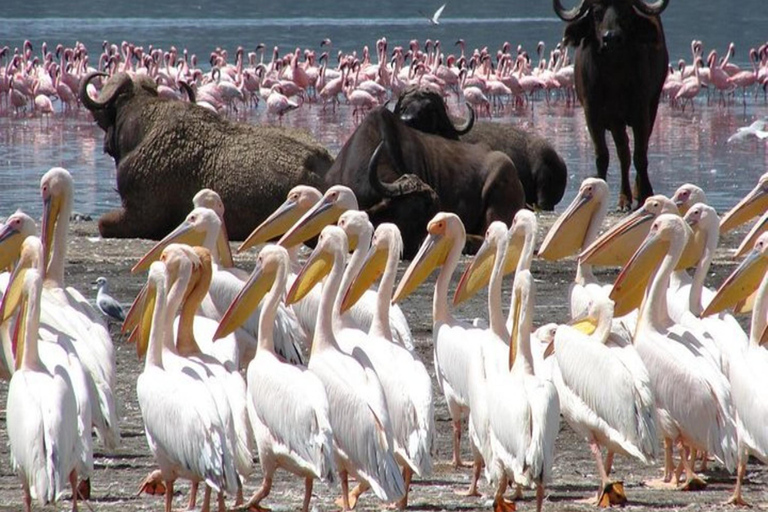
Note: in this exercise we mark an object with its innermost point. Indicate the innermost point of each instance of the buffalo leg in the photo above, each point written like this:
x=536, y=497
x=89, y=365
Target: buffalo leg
x=601, y=150
x=643, y=183
x=621, y=140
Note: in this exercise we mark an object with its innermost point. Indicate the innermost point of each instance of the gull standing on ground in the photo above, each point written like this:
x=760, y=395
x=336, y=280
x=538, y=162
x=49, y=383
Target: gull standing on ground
x=107, y=304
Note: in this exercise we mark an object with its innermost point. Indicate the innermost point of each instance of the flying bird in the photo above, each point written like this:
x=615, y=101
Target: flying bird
x=757, y=128
x=435, y=19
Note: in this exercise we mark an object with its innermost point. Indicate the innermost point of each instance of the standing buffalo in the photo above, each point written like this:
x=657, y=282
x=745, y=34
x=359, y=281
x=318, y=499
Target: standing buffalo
x=166, y=150
x=621, y=64
x=477, y=184
x=542, y=172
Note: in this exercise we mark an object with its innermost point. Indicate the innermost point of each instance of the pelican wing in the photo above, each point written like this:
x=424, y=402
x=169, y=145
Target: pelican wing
x=749, y=380
x=545, y=425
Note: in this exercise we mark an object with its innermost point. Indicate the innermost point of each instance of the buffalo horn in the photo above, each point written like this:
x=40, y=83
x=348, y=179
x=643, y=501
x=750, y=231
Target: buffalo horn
x=92, y=104
x=653, y=9
x=385, y=189
x=572, y=14
x=463, y=130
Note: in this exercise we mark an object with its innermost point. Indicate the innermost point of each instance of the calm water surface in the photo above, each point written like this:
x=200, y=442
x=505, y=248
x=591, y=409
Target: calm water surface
x=685, y=146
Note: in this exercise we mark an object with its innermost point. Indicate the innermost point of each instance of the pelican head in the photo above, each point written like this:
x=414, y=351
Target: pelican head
x=335, y=201
x=567, y=235
x=273, y=261
x=703, y=217
x=199, y=224
x=386, y=240
x=444, y=232
x=478, y=271
x=666, y=230
x=357, y=227
x=299, y=201
x=16, y=229
x=743, y=281
x=755, y=203
x=687, y=195
x=208, y=198
x=56, y=188
x=331, y=245
x=30, y=258
x=615, y=246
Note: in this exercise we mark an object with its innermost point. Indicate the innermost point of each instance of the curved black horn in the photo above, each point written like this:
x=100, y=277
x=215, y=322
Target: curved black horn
x=653, y=9
x=572, y=14
x=463, y=130
x=184, y=86
x=385, y=189
x=92, y=104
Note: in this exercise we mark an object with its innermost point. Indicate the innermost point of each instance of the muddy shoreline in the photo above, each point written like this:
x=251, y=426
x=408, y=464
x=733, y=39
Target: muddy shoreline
x=118, y=473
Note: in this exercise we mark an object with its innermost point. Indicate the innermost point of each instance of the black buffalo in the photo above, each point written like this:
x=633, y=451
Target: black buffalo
x=405, y=176
x=540, y=169
x=621, y=64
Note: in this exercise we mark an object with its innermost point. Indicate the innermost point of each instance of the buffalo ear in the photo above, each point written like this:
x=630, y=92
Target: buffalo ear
x=578, y=30
x=646, y=30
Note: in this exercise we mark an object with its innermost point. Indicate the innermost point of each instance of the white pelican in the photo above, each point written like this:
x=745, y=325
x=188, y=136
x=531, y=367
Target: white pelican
x=66, y=310
x=334, y=202
x=524, y=410
x=292, y=432
x=41, y=408
x=749, y=365
x=358, y=409
x=203, y=227
x=181, y=422
x=605, y=393
x=488, y=359
x=693, y=397
x=56, y=351
x=208, y=198
x=406, y=383
x=688, y=195
x=454, y=341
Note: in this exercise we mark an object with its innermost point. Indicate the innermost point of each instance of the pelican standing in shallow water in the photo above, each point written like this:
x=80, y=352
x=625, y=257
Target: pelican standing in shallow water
x=41, y=410
x=358, y=410
x=181, y=422
x=412, y=411
x=454, y=341
x=524, y=410
x=693, y=397
x=748, y=368
x=292, y=432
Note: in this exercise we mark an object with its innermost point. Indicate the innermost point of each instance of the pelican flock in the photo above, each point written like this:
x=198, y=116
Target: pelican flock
x=304, y=366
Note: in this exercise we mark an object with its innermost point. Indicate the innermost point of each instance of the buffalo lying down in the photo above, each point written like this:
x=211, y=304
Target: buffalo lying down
x=470, y=180
x=165, y=151
x=542, y=172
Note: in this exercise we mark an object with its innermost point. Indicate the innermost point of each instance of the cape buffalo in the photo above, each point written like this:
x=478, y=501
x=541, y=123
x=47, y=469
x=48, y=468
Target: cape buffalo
x=167, y=150
x=477, y=184
x=540, y=169
x=621, y=64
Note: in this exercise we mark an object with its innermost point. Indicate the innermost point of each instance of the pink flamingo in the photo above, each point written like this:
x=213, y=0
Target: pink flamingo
x=690, y=88
x=745, y=78
x=278, y=104
x=475, y=97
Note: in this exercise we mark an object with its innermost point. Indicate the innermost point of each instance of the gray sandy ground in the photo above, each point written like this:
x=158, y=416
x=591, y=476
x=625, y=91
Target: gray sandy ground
x=118, y=474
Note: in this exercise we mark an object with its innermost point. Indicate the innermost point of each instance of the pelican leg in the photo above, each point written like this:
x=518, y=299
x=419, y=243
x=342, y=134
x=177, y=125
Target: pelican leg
x=477, y=467
x=457, y=463
x=343, y=476
x=737, y=499
x=308, y=482
x=263, y=492
x=668, y=463
x=84, y=489
x=27, y=498
x=692, y=481
x=239, y=496
x=359, y=489
x=220, y=502
x=192, y=496
x=704, y=461
x=402, y=503
x=168, y=495
x=608, y=462
x=518, y=492
x=73, y=484
x=499, y=503
x=610, y=493
x=206, y=500
x=539, y=496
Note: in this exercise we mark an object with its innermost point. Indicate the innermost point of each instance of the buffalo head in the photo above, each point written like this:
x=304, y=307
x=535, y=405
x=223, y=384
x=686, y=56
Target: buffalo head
x=611, y=23
x=117, y=92
x=425, y=111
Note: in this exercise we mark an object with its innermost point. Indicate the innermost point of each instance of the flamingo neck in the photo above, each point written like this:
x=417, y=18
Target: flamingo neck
x=324, y=336
x=759, y=312
x=380, y=325
x=269, y=310
x=495, y=314
x=440, y=310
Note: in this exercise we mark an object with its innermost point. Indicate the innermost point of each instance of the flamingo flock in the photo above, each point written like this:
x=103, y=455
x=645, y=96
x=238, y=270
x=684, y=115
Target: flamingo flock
x=46, y=83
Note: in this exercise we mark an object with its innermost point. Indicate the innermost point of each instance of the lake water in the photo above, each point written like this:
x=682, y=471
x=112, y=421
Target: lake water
x=686, y=146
